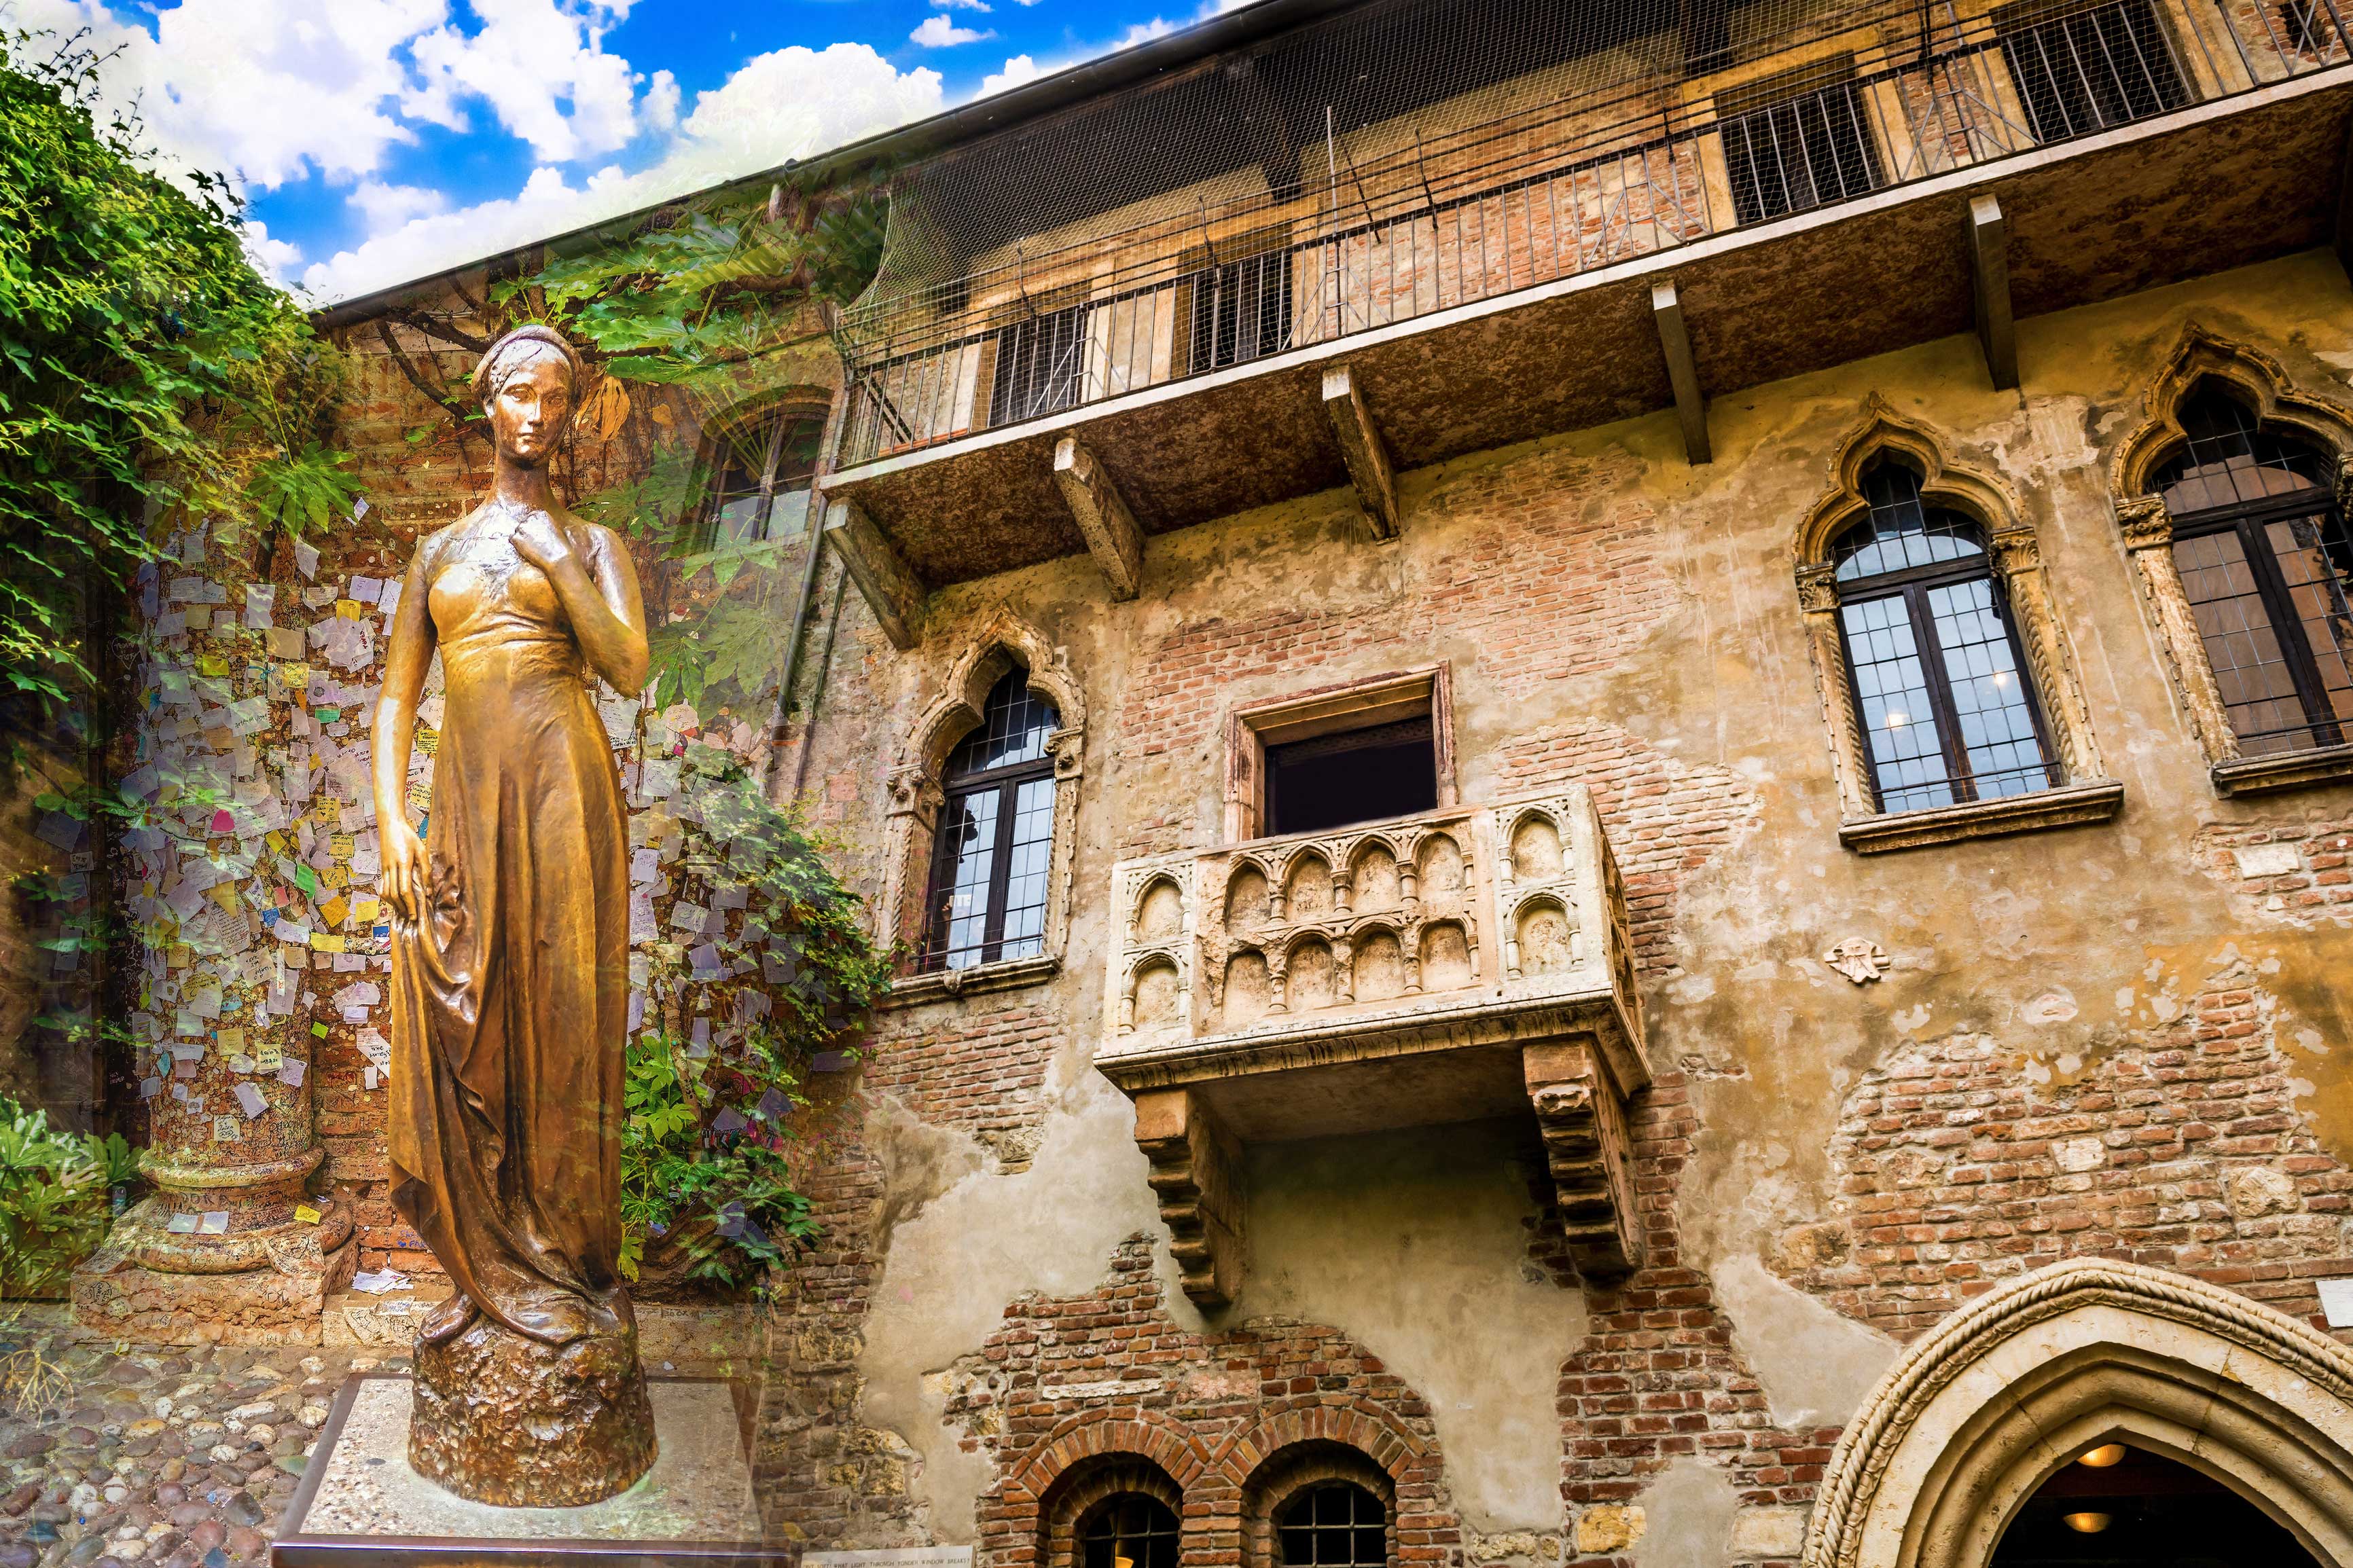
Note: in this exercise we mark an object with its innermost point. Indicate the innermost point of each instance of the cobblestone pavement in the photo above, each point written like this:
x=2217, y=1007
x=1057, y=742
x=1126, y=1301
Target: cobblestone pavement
x=150, y=1454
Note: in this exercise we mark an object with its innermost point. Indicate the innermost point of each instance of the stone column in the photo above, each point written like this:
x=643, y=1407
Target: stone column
x=228, y=1248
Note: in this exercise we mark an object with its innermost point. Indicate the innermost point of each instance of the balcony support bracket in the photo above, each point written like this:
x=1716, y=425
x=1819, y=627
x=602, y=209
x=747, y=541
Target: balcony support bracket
x=1582, y=1117
x=1989, y=268
x=1683, y=370
x=891, y=589
x=1361, y=446
x=1197, y=1173
x=1102, y=515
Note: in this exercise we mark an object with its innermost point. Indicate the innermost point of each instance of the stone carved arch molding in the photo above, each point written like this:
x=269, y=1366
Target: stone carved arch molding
x=916, y=792
x=2265, y=384
x=1962, y=1430
x=1984, y=497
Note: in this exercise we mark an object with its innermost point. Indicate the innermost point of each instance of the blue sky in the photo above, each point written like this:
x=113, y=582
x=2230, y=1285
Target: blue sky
x=382, y=140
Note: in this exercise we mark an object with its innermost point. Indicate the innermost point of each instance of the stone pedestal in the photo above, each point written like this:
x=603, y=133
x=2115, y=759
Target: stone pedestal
x=264, y=1279
x=507, y=1420
x=363, y=1505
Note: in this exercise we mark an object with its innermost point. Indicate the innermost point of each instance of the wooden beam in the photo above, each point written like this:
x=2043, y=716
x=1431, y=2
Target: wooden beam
x=1112, y=537
x=1361, y=446
x=1989, y=265
x=1683, y=373
x=893, y=590
x=1197, y=1173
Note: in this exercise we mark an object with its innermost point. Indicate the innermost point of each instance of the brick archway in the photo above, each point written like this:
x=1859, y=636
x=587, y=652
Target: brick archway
x=1032, y=1501
x=2009, y=1390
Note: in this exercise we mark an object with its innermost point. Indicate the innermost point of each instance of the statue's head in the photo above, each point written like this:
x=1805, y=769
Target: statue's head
x=528, y=384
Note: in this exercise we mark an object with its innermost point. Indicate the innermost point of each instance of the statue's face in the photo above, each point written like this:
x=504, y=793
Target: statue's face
x=530, y=409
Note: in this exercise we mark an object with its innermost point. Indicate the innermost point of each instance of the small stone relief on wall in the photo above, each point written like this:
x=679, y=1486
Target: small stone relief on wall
x=1858, y=958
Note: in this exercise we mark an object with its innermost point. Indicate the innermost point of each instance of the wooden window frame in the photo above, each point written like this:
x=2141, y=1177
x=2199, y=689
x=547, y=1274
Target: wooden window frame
x=2147, y=531
x=2081, y=793
x=779, y=416
x=1912, y=584
x=1004, y=783
x=1360, y=704
x=917, y=796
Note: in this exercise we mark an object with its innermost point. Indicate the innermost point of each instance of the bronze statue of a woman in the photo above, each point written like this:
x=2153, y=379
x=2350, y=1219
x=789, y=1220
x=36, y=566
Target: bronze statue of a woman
x=510, y=970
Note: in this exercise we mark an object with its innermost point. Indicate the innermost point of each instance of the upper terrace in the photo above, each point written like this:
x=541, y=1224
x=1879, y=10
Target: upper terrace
x=1422, y=228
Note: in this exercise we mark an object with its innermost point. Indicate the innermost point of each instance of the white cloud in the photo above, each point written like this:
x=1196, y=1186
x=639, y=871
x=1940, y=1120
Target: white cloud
x=1017, y=69
x=388, y=207
x=939, y=33
x=541, y=68
x=1144, y=32
x=277, y=258
x=661, y=109
x=982, y=6
x=788, y=103
x=265, y=91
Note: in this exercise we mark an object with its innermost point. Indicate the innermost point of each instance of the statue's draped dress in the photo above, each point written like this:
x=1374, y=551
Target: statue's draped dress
x=510, y=996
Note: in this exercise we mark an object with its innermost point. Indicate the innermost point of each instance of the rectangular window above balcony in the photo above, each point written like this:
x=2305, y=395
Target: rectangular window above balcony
x=1365, y=752
x=1356, y=776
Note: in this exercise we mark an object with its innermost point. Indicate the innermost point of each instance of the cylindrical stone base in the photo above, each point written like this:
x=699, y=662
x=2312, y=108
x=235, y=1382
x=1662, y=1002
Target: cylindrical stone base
x=505, y=1419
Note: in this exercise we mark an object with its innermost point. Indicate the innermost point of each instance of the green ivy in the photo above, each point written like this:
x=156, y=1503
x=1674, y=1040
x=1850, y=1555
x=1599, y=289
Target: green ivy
x=145, y=366
x=706, y=1162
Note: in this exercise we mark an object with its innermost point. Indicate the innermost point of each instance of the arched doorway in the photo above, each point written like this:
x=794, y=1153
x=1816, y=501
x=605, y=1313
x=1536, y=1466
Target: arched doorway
x=1976, y=1419
x=2118, y=1504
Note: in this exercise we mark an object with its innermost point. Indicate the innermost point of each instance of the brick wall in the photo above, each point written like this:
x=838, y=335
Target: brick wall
x=1961, y=1162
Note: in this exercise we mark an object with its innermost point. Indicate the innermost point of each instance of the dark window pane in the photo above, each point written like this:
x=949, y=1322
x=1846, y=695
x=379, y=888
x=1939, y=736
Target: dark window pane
x=1891, y=690
x=2316, y=562
x=2083, y=71
x=1241, y=311
x=760, y=489
x=1356, y=776
x=1988, y=697
x=1900, y=532
x=1799, y=154
x=1039, y=365
x=1334, y=1525
x=2257, y=686
x=1015, y=725
x=2227, y=460
x=1130, y=1530
x=966, y=862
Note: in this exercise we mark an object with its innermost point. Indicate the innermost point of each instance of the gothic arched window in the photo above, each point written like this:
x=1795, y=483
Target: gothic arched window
x=992, y=854
x=1940, y=696
x=2266, y=563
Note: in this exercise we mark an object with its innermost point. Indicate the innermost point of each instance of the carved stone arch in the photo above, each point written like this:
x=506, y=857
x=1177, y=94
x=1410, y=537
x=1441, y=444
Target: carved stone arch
x=2085, y=793
x=1984, y=498
x=1002, y=641
x=1963, y=1429
x=2261, y=381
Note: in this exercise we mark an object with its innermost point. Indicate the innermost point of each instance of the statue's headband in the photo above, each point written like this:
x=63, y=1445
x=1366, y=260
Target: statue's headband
x=526, y=346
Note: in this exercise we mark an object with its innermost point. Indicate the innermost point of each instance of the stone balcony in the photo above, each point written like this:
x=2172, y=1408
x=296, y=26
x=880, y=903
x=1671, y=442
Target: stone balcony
x=1461, y=963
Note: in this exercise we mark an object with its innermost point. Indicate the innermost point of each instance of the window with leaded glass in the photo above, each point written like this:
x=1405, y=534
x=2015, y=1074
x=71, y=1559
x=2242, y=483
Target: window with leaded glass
x=1937, y=675
x=2267, y=565
x=1334, y=1524
x=1128, y=1529
x=760, y=485
x=995, y=840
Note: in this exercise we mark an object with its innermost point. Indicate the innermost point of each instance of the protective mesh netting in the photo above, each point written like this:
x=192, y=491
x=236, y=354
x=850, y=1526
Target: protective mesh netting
x=1400, y=156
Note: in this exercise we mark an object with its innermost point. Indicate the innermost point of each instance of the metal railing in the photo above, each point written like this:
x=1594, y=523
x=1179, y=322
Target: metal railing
x=1544, y=196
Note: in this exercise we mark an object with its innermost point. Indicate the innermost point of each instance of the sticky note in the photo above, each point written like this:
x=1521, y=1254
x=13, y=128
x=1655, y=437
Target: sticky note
x=216, y=1223
x=251, y=1100
x=307, y=1214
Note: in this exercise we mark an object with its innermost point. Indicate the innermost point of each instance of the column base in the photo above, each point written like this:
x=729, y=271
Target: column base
x=264, y=1286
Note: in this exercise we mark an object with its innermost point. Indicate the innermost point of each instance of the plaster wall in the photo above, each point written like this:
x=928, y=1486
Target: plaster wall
x=1613, y=616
